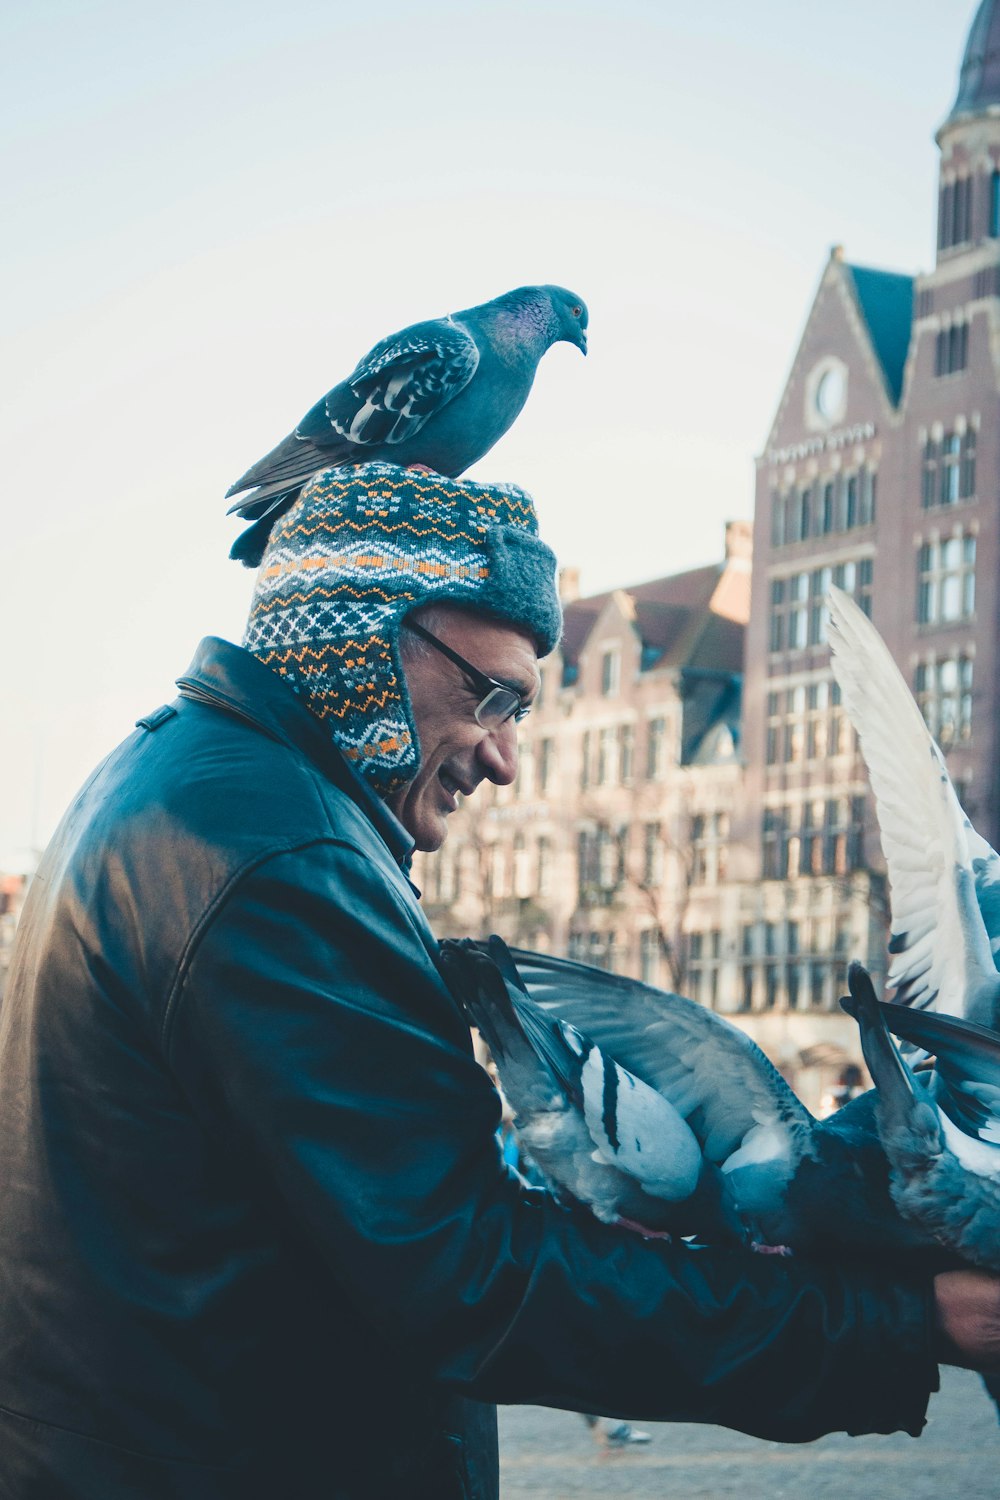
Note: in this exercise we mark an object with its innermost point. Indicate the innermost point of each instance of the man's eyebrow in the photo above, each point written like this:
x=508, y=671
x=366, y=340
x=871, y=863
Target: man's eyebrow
x=520, y=687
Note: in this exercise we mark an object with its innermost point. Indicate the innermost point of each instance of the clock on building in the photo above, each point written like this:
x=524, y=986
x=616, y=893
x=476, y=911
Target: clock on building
x=826, y=393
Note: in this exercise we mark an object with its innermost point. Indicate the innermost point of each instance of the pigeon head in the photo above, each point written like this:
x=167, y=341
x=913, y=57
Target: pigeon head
x=570, y=317
x=533, y=318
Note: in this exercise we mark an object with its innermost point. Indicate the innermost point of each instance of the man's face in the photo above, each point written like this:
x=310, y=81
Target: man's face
x=456, y=752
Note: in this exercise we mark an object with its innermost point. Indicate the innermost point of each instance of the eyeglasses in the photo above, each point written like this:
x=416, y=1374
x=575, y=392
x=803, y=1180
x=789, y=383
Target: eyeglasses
x=498, y=703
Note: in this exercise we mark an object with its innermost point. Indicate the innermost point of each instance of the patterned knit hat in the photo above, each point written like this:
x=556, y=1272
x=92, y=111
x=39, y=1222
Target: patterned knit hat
x=362, y=547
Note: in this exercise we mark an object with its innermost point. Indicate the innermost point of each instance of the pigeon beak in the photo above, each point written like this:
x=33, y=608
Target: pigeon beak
x=582, y=341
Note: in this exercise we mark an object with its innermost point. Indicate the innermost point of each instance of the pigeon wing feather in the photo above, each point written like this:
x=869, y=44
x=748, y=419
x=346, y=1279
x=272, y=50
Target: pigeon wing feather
x=712, y=1073
x=397, y=387
x=389, y=396
x=941, y=950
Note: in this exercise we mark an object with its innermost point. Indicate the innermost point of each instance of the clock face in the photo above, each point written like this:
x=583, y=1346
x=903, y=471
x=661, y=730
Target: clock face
x=831, y=394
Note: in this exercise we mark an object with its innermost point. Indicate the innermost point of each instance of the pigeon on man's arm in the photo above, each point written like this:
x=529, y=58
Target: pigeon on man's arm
x=789, y=1181
x=438, y=395
x=596, y=1132
x=943, y=876
x=940, y=1128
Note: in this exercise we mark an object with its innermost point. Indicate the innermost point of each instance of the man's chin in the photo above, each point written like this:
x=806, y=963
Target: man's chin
x=430, y=835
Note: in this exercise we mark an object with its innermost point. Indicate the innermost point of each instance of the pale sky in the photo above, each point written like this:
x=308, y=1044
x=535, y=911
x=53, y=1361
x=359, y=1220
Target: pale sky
x=214, y=209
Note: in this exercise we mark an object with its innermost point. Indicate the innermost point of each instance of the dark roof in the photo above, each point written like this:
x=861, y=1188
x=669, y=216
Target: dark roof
x=666, y=609
x=885, y=299
x=711, y=722
x=979, y=79
x=719, y=647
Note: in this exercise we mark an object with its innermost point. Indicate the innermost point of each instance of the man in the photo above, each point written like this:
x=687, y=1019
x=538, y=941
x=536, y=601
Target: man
x=257, y=1237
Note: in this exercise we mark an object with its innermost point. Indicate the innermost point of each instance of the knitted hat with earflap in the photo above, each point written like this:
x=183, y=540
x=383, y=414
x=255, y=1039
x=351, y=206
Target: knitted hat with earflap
x=362, y=547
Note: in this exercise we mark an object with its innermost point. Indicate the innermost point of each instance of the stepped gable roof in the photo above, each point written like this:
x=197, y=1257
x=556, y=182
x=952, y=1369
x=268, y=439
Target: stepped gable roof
x=979, y=78
x=885, y=301
x=672, y=619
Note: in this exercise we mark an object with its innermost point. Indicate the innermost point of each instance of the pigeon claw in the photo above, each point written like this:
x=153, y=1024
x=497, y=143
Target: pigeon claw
x=647, y=1234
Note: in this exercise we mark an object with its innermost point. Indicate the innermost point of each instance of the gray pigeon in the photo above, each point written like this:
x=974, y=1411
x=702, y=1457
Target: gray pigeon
x=940, y=1130
x=439, y=395
x=771, y=1173
x=944, y=878
x=596, y=1132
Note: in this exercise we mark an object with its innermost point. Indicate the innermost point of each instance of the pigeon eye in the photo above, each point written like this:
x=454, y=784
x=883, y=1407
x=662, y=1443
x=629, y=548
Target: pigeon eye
x=576, y=311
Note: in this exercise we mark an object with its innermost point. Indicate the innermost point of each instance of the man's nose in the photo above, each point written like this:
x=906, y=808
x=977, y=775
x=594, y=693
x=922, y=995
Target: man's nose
x=498, y=753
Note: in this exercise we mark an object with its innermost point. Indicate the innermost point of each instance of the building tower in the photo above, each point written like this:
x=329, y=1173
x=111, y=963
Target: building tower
x=881, y=473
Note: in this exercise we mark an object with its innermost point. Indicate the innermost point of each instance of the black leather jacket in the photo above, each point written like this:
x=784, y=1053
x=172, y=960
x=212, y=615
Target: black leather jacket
x=257, y=1238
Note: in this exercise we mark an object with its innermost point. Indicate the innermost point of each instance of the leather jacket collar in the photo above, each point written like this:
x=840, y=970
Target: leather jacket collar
x=227, y=677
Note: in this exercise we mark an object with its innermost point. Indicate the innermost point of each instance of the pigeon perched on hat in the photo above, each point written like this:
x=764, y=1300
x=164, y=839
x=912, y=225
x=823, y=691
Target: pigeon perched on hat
x=438, y=394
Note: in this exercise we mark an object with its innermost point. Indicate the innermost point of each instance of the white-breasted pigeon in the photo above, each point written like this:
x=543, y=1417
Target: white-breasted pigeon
x=941, y=1128
x=596, y=1132
x=438, y=394
x=771, y=1175
x=944, y=878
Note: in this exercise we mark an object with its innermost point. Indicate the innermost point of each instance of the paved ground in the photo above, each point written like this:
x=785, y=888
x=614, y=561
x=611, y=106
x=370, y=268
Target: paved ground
x=550, y=1455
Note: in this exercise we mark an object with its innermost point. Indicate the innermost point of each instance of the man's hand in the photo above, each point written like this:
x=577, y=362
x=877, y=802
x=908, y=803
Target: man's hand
x=968, y=1319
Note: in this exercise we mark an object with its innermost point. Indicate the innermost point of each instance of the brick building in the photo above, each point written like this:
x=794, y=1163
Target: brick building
x=662, y=828
x=881, y=473
x=619, y=821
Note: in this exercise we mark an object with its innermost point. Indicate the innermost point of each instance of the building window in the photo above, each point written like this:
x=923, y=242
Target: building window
x=820, y=837
x=828, y=511
x=607, y=757
x=946, y=584
x=704, y=949
x=798, y=515
x=955, y=213
x=868, y=482
x=709, y=838
x=967, y=473
x=600, y=862
x=951, y=349
x=817, y=984
x=774, y=844
x=943, y=690
x=649, y=955
x=851, y=502
x=524, y=883
x=602, y=950
x=585, y=760
x=546, y=755
x=626, y=753
x=524, y=781
x=610, y=849
x=792, y=986
x=652, y=855
x=949, y=469
x=656, y=749
x=543, y=881
x=499, y=872
x=789, y=626
x=611, y=667
x=442, y=873
x=798, y=603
